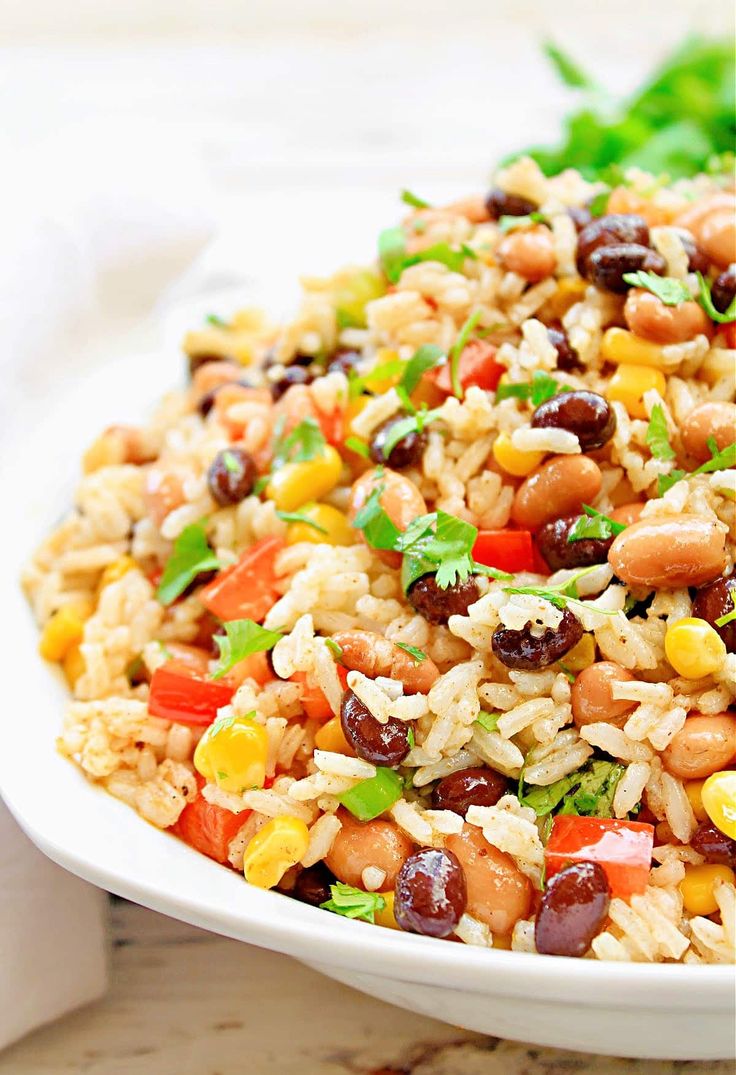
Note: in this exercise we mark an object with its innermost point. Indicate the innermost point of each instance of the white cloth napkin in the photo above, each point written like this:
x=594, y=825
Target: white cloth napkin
x=93, y=232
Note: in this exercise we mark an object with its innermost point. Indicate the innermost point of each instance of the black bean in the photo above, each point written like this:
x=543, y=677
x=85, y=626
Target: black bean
x=573, y=910
x=608, y=264
x=231, y=476
x=436, y=604
x=580, y=216
x=407, y=452
x=380, y=744
x=431, y=893
x=697, y=261
x=313, y=885
x=297, y=360
x=469, y=787
x=343, y=361
x=567, y=356
x=717, y=599
x=558, y=552
x=521, y=650
x=724, y=289
x=195, y=361
x=586, y=414
x=714, y=845
x=609, y=231
x=499, y=203
x=292, y=375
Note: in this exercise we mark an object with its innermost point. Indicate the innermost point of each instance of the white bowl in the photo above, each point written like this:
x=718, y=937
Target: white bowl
x=636, y=1010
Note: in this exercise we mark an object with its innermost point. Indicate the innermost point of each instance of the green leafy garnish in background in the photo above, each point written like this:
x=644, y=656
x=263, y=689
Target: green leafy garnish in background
x=241, y=639
x=354, y=902
x=677, y=122
x=191, y=556
x=414, y=200
x=668, y=290
x=706, y=301
x=657, y=435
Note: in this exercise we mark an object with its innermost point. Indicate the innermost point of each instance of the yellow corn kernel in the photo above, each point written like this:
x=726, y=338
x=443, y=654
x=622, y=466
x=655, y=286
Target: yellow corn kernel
x=331, y=737
x=694, y=648
x=719, y=801
x=73, y=665
x=621, y=346
x=225, y=342
x=334, y=528
x=629, y=383
x=699, y=884
x=386, y=917
x=232, y=754
x=294, y=484
x=115, y=571
x=512, y=460
x=694, y=792
x=581, y=656
x=570, y=289
x=274, y=849
x=354, y=408
x=63, y=630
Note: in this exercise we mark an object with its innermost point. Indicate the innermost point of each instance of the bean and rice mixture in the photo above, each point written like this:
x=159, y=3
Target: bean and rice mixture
x=420, y=607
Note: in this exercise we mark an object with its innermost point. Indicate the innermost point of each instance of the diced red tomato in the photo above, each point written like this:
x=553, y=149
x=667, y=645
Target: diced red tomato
x=507, y=550
x=477, y=366
x=208, y=828
x=314, y=703
x=247, y=589
x=255, y=666
x=193, y=657
x=622, y=848
x=729, y=331
x=182, y=694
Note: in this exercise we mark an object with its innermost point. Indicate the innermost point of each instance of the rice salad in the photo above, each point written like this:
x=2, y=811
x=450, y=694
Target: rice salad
x=420, y=607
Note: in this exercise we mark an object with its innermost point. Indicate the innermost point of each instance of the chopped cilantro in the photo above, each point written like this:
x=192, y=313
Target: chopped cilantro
x=488, y=721
x=706, y=301
x=541, y=388
x=515, y=223
x=411, y=199
x=598, y=205
x=394, y=257
x=657, y=435
x=561, y=594
x=594, y=524
x=440, y=544
x=720, y=460
x=231, y=462
x=570, y=676
x=355, y=444
x=414, y=423
x=378, y=529
x=457, y=349
x=728, y=618
x=334, y=648
x=424, y=358
x=411, y=739
x=218, y=322
x=668, y=290
x=358, y=383
x=417, y=654
x=241, y=638
x=191, y=556
x=587, y=792
x=354, y=902
x=300, y=517
x=304, y=442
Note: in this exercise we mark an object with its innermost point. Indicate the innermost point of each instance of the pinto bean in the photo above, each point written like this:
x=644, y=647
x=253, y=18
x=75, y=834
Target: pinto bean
x=648, y=317
x=573, y=910
x=715, y=419
x=498, y=892
x=367, y=843
x=522, y=650
x=669, y=552
x=703, y=746
x=400, y=499
x=627, y=513
x=431, y=893
x=592, y=695
x=559, y=487
x=374, y=655
x=163, y=491
x=712, y=223
x=529, y=252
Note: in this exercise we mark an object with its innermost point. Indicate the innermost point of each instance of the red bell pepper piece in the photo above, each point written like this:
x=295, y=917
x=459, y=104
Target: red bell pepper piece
x=622, y=848
x=507, y=550
x=182, y=694
x=247, y=590
x=729, y=331
x=477, y=366
x=208, y=828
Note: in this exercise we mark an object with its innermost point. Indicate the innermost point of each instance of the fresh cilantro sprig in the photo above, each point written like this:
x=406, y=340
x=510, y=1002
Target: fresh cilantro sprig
x=414, y=200
x=418, y=655
x=457, y=349
x=241, y=639
x=413, y=423
x=374, y=378
x=353, y=902
x=562, y=594
x=668, y=290
x=305, y=442
x=706, y=301
x=441, y=544
x=191, y=556
x=720, y=460
x=300, y=517
x=594, y=524
x=541, y=388
x=658, y=436
x=355, y=444
x=488, y=721
x=514, y=223
x=424, y=358
x=394, y=256
x=588, y=792
x=378, y=529
x=216, y=320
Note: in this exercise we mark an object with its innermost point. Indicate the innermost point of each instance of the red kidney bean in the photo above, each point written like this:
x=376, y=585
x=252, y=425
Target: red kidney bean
x=313, y=885
x=293, y=374
x=407, y=452
x=521, y=650
x=586, y=414
x=608, y=264
x=714, y=845
x=716, y=600
x=567, y=356
x=380, y=744
x=558, y=552
x=436, y=604
x=724, y=288
x=231, y=476
x=469, y=787
x=610, y=230
x=697, y=261
x=431, y=893
x=499, y=203
x=573, y=910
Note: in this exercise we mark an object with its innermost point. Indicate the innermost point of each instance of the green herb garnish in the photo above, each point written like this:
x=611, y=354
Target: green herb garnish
x=599, y=203
x=417, y=654
x=241, y=638
x=305, y=442
x=378, y=529
x=191, y=556
x=412, y=199
x=231, y=462
x=706, y=301
x=562, y=594
x=300, y=517
x=723, y=460
x=354, y=902
x=218, y=322
x=457, y=349
x=728, y=618
x=440, y=544
x=355, y=444
x=594, y=524
x=414, y=423
x=658, y=436
x=488, y=721
x=514, y=223
x=424, y=358
x=394, y=257
x=541, y=388
x=588, y=792
x=334, y=648
x=668, y=290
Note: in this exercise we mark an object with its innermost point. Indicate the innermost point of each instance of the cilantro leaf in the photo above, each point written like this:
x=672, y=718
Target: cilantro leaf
x=424, y=358
x=392, y=252
x=562, y=594
x=414, y=423
x=334, y=648
x=457, y=349
x=231, y=462
x=515, y=223
x=218, y=322
x=488, y=721
x=241, y=638
x=588, y=792
x=668, y=290
x=666, y=481
x=358, y=383
x=706, y=301
x=728, y=618
x=598, y=205
x=355, y=444
x=354, y=902
x=417, y=654
x=411, y=199
x=594, y=524
x=300, y=517
x=570, y=73
x=378, y=529
x=305, y=442
x=541, y=388
x=722, y=460
x=512, y=391
x=191, y=556
x=658, y=436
